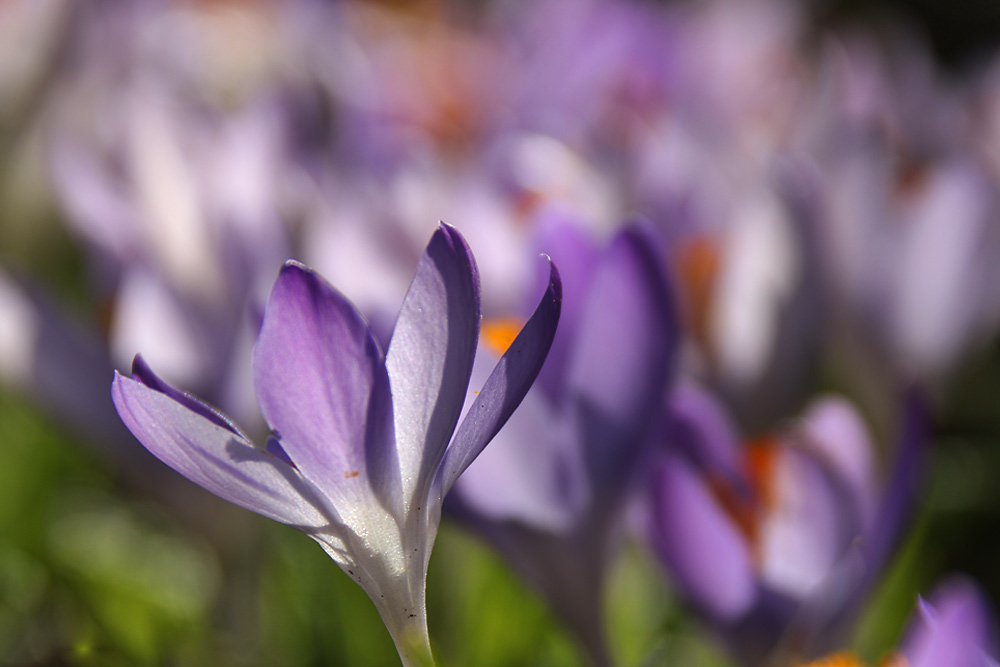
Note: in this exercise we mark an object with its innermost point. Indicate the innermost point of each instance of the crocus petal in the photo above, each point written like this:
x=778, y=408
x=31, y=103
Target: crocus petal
x=217, y=458
x=903, y=485
x=144, y=374
x=811, y=524
x=506, y=386
x=430, y=355
x=620, y=364
x=322, y=388
x=954, y=629
x=518, y=479
x=833, y=427
x=701, y=544
x=575, y=253
x=697, y=423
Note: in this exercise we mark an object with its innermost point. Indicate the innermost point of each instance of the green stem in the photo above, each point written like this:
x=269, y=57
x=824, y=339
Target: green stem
x=414, y=646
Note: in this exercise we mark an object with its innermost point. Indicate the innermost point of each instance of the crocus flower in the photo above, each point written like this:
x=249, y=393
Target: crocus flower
x=954, y=627
x=776, y=543
x=363, y=449
x=173, y=170
x=909, y=240
x=549, y=496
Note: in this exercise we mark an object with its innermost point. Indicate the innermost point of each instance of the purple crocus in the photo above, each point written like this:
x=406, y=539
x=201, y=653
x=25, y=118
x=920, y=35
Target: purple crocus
x=776, y=542
x=955, y=627
x=365, y=445
x=549, y=496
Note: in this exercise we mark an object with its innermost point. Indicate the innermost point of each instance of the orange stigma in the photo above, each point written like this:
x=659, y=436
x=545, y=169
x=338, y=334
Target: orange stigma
x=848, y=659
x=498, y=334
x=759, y=457
x=841, y=659
x=699, y=264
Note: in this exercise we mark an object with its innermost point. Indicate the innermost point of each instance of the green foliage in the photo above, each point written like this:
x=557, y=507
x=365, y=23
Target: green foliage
x=91, y=574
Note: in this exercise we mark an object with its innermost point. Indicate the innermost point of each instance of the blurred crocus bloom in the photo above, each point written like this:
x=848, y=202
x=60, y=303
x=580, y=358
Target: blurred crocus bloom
x=360, y=459
x=910, y=239
x=954, y=627
x=549, y=494
x=173, y=170
x=775, y=543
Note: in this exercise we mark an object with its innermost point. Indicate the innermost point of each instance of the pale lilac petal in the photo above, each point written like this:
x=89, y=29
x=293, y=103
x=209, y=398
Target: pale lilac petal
x=828, y=612
x=96, y=202
x=812, y=523
x=322, y=388
x=833, y=427
x=144, y=374
x=954, y=628
x=623, y=353
x=532, y=472
x=506, y=386
x=430, y=356
x=217, y=458
x=701, y=544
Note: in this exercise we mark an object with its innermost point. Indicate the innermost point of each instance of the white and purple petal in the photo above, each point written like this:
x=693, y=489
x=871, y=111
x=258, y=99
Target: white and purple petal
x=506, y=386
x=430, y=356
x=217, y=458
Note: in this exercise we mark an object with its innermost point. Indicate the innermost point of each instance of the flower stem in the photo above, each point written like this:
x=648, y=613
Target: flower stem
x=413, y=643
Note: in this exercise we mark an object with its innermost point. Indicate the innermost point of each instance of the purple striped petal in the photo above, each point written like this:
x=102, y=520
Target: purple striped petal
x=322, y=388
x=506, y=386
x=430, y=356
x=217, y=458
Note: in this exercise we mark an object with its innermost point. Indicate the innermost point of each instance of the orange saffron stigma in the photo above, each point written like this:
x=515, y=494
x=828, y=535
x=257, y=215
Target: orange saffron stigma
x=848, y=659
x=498, y=334
x=841, y=659
x=699, y=264
x=759, y=458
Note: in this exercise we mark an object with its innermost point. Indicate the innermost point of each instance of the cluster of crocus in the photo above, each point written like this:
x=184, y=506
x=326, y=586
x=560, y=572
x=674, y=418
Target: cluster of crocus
x=822, y=218
x=777, y=541
x=365, y=445
x=953, y=627
x=550, y=494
